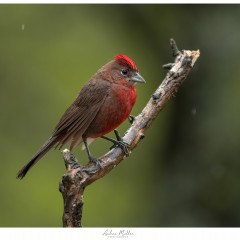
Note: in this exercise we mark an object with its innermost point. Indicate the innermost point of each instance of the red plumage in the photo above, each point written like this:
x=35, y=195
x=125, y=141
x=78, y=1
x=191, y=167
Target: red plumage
x=126, y=61
x=101, y=106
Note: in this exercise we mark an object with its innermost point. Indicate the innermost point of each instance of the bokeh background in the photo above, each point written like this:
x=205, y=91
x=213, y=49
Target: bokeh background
x=185, y=173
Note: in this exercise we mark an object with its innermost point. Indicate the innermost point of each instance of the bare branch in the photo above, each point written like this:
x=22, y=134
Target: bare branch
x=78, y=177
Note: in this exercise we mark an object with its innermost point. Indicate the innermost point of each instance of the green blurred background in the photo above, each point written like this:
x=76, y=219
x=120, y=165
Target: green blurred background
x=185, y=173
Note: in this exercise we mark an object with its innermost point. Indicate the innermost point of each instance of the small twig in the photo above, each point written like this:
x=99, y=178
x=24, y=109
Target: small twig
x=78, y=177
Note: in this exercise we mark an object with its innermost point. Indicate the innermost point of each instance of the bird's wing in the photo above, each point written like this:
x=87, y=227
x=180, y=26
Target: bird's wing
x=81, y=113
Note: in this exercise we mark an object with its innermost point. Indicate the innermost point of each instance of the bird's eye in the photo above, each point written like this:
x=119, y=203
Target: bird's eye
x=124, y=72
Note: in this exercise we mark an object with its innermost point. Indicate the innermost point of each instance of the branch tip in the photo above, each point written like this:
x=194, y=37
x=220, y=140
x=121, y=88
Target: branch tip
x=70, y=160
x=168, y=66
x=174, y=47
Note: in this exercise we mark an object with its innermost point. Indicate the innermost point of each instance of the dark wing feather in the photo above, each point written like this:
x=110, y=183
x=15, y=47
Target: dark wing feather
x=76, y=119
x=81, y=113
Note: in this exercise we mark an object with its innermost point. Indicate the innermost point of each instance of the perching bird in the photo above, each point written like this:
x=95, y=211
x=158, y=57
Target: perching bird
x=101, y=106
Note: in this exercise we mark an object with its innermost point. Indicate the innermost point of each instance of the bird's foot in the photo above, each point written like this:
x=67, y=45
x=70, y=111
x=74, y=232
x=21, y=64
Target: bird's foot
x=120, y=143
x=131, y=119
x=124, y=146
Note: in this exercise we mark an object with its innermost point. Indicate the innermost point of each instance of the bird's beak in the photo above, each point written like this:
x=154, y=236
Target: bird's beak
x=137, y=78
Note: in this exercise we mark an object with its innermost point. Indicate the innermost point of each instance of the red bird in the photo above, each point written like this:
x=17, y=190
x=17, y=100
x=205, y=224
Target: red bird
x=101, y=106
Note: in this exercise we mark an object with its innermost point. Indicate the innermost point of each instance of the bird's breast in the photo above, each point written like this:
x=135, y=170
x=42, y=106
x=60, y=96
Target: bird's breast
x=124, y=98
x=115, y=109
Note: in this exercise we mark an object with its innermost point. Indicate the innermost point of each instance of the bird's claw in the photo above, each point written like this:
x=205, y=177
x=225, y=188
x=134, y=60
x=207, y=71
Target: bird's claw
x=120, y=143
x=131, y=119
x=124, y=146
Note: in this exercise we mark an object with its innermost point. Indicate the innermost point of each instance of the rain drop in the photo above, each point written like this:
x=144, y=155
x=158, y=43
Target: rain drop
x=194, y=111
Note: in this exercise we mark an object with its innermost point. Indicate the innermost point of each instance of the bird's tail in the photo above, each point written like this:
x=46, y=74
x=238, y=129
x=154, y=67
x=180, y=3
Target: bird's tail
x=42, y=151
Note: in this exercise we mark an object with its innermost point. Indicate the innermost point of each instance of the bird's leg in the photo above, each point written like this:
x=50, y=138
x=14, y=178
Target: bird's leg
x=90, y=157
x=117, y=134
x=131, y=119
x=118, y=143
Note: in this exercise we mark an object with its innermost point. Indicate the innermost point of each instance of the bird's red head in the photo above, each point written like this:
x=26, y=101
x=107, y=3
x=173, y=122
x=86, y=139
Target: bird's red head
x=123, y=69
x=126, y=61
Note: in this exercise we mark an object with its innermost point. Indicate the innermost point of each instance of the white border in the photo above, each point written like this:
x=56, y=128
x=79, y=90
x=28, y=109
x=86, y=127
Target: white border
x=120, y=233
